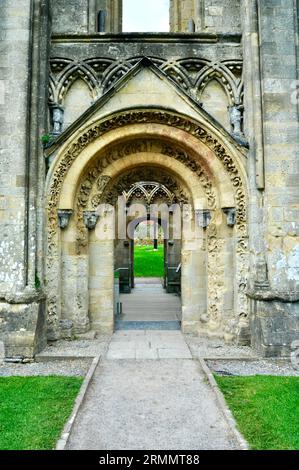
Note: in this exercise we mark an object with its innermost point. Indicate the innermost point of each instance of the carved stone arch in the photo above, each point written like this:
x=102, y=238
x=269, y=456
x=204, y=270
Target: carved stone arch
x=222, y=77
x=193, y=68
x=73, y=72
x=53, y=98
x=156, y=60
x=114, y=73
x=171, y=187
x=178, y=75
x=100, y=65
x=90, y=153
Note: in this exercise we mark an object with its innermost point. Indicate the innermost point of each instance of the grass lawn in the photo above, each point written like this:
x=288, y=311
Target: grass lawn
x=266, y=409
x=147, y=262
x=33, y=410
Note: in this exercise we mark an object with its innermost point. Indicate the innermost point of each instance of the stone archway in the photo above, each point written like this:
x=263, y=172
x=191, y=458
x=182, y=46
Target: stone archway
x=157, y=191
x=208, y=167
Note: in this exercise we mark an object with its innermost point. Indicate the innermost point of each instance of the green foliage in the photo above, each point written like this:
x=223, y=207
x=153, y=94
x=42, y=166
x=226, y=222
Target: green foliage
x=33, y=410
x=45, y=139
x=148, y=262
x=266, y=409
x=37, y=282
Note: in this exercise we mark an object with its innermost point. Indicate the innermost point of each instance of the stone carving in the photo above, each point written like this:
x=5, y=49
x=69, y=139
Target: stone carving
x=203, y=218
x=215, y=279
x=154, y=183
x=64, y=216
x=119, y=120
x=241, y=274
x=90, y=219
x=102, y=183
x=57, y=118
x=190, y=74
x=236, y=118
x=230, y=213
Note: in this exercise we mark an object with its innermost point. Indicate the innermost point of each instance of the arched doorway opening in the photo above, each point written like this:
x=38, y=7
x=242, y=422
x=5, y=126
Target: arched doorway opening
x=144, y=261
x=95, y=166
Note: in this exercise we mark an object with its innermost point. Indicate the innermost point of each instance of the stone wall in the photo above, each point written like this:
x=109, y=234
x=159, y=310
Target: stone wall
x=270, y=38
x=70, y=16
x=23, y=116
x=85, y=65
x=205, y=15
x=208, y=68
x=81, y=16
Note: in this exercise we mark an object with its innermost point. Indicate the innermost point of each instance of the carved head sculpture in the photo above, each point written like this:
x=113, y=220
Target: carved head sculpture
x=90, y=219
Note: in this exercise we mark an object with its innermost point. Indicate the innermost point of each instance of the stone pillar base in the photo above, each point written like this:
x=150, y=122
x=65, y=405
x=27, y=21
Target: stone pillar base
x=274, y=327
x=22, y=329
x=103, y=328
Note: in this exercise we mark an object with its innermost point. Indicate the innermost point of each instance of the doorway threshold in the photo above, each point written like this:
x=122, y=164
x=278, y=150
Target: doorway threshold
x=147, y=325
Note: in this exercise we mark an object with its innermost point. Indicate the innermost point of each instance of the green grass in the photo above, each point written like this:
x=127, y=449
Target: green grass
x=266, y=409
x=147, y=262
x=33, y=410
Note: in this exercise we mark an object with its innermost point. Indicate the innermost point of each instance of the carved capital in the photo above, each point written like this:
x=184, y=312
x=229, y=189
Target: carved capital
x=90, y=219
x=203, y=218
x=230, y=213
x=64, y=216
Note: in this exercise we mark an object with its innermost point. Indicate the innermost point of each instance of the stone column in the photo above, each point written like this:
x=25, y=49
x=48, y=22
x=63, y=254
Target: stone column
x=270, y=41
x=101, y=274
x=24, y=48
x=114, y=13
x=74, y=282
x=193, y=290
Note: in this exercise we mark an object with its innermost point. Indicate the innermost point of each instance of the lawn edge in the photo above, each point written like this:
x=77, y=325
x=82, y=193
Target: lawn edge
x=64, y=437
x=224, y=407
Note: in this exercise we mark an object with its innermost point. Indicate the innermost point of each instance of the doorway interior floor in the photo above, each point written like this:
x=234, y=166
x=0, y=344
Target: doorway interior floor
x=149, y=307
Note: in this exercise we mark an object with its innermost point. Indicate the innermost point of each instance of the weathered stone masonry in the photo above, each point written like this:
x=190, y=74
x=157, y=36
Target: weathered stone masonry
x=228, y=67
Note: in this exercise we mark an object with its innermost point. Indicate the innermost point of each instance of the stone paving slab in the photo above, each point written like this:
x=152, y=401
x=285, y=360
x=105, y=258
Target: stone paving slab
x=149, y=325
x=150, y=303
x=150, y=404
x=150, y=345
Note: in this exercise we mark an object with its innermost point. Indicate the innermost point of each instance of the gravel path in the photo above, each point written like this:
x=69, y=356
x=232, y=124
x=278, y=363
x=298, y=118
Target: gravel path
x=209, y=348
x=150, y=404
x=77, y=348
x=260, y=367
x=76, y=368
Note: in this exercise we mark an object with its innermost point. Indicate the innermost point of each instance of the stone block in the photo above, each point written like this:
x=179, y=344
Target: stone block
x=22, y=329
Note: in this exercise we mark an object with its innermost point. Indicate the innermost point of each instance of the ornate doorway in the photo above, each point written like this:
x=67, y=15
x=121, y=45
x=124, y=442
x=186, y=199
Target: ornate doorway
x=169, y=156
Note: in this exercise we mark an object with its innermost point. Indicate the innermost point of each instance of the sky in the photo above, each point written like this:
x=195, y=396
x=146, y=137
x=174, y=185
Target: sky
x=145, y=16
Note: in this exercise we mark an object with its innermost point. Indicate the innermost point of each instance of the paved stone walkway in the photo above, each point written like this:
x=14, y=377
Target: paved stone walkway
x=148, y=393
x=149, y=302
